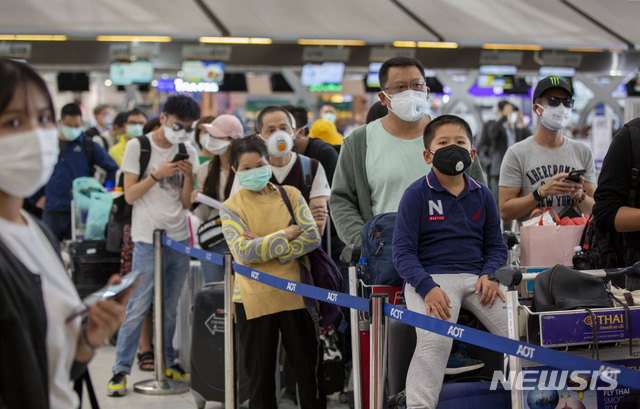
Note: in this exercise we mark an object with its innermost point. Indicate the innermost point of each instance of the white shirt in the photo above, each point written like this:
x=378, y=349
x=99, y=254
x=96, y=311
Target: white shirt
x=30, y=246
x=161, y=207
x=319, y=186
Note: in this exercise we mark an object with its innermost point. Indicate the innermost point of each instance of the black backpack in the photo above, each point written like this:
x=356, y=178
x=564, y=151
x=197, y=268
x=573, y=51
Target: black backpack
x=377, y=237
x=604, y=249
x=121, y=211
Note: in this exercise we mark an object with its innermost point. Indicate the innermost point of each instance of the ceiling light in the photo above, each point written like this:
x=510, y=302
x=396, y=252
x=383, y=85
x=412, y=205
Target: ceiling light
x=511, y=47
x=32, y=37
x=437, y=44
x=586, y=49
x=235, y=40
x=409, y=44
x=310, y=41
x=141, y=39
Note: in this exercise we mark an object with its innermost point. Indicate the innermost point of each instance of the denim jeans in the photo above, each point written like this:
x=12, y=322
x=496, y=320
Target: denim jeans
x=212, y=272
x=175, y=267
x=59, y=223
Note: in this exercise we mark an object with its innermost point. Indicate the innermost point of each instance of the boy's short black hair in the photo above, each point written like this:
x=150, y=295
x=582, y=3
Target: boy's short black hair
x=98, y=109
x=299, y=114
x=268, y=110
x=120, y=119
x=383, y=74
x=70, y=110
x=182, y=106
x=434, y=124
x=248, y=144
x=135, y=111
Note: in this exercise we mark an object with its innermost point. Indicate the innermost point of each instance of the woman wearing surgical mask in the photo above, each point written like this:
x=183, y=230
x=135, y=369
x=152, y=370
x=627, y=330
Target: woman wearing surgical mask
x=44, y=342
x=215, y=177
x=203, y=155
x=262, y=235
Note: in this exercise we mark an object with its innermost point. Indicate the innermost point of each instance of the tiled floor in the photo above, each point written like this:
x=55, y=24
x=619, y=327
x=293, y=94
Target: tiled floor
x=100, y=370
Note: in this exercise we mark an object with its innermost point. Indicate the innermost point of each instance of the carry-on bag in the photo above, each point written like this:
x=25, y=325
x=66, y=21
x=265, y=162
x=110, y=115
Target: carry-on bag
x=91, y=264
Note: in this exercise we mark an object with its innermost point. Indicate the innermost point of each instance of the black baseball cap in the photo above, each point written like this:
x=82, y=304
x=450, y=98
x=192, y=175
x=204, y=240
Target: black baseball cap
x=551, y=82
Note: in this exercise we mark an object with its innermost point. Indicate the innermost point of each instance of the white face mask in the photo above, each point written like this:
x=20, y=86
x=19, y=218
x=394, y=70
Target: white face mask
x=176, y=137
x=408, y=105
x=27, y=160
x=214, y=145
x=329, y=116
x=279, y=144
x=555, y=118
x=513, y=117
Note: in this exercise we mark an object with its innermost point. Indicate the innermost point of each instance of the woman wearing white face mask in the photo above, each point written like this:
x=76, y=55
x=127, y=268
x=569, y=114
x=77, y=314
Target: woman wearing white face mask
x=43, y=341
x=215, y=177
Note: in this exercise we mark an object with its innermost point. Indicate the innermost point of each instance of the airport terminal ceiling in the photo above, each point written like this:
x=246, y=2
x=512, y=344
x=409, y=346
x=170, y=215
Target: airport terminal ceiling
x=604, y=34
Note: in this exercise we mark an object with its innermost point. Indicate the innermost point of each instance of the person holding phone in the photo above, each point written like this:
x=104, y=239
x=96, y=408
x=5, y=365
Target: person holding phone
x=41, y=349
x=535, y=172
x=160, y=196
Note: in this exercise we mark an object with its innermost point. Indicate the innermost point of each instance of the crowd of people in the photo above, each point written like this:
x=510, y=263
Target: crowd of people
x=447, y=240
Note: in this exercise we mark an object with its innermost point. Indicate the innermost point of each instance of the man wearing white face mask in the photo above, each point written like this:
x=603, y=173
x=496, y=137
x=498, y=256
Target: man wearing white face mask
x=534, y=171
x=160, y=196
x=379, y=160
x=275, y=125
x=78, y=157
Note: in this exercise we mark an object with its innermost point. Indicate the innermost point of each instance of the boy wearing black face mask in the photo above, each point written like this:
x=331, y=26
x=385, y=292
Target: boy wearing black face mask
x=447, y=241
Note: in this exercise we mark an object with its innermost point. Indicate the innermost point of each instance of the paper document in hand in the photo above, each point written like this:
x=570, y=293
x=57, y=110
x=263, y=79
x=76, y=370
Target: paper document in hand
x=209, y=201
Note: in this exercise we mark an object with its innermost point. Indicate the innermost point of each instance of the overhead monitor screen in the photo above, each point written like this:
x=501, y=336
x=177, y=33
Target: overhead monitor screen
x=134, y=72
x=321, y=74
x=203, y=71
x=372, y=77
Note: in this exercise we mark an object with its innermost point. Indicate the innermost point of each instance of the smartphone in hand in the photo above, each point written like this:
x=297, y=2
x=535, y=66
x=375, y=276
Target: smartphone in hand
x=106, y=292
x=180, y=156
x=574, y=175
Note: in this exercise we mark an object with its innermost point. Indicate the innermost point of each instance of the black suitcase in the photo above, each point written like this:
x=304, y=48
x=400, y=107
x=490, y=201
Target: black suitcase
x=91, y=264
x=207, y=349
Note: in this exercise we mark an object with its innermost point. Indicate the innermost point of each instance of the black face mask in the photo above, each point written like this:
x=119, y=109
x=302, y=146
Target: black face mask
x=451, y=160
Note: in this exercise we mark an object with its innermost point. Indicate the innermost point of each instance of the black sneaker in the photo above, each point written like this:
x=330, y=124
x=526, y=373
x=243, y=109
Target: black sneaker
x=117, y=385
x=176, y=372
x=460, y=362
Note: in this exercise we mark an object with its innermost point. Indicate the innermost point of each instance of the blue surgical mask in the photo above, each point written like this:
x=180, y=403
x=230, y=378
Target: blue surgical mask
x=255, y=179
x=70, y=133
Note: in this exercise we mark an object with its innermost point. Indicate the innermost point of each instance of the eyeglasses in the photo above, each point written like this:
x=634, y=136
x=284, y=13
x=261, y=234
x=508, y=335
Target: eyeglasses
x=398, y=88
x=555, y=101
x=179, y=127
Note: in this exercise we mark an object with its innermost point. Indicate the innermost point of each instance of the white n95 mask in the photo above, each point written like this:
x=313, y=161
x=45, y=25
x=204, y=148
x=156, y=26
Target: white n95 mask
x=27, y=160
x=279, y=144
x=408, y=105
x=555, y=118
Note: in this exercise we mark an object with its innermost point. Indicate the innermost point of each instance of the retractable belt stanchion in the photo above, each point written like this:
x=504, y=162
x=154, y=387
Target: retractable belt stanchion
x=160, y=385
x=355, y=342
x=231, y=377
x=378, y=354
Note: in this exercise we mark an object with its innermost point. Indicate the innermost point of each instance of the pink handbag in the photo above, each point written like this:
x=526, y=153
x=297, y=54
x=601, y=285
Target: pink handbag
x=546, y=246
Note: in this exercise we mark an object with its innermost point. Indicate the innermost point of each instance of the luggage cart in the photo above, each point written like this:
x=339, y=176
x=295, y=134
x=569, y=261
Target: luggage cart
x=570, y=331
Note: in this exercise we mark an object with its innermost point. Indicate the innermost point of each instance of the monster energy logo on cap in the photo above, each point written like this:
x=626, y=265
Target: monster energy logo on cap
x=554, y=81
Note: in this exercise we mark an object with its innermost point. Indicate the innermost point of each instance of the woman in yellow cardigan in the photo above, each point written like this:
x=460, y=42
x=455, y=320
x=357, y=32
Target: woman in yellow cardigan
x=262, y=235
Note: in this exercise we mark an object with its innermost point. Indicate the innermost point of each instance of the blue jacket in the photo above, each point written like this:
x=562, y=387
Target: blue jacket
x=439, y=233
x=72, y=163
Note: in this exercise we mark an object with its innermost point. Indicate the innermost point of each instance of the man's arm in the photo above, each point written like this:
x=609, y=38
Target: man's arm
x=345, y=210
x=319, y=211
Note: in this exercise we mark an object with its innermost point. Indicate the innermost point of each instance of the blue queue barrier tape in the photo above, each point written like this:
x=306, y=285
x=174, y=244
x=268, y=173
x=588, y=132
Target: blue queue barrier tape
x=550, y=357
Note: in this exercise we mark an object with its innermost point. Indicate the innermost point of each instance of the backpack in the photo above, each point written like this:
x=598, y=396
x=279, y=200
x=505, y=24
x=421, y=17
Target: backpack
x=377, y=237
x=604, y=249
x=120, y=214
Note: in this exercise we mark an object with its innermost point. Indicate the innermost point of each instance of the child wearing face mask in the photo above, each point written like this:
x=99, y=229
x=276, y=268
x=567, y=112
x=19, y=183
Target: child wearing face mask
x=214, y=178
x=44, y=342
x=448, y=243
x=262, y=235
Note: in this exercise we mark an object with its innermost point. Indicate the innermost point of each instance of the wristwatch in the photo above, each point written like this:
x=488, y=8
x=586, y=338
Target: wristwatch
x=537, y=195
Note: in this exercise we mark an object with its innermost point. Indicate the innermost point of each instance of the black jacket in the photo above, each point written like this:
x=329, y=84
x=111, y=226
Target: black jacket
x=614, y=183
x=23, y=327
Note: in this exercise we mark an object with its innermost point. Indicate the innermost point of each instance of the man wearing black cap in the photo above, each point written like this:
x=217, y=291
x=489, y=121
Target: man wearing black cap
x=534, y=171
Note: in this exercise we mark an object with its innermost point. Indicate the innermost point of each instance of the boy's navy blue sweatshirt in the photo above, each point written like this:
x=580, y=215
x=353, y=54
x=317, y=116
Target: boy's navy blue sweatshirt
x=439, y=233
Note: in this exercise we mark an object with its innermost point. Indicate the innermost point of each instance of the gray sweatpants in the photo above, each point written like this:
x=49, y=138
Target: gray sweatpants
x=426, y=372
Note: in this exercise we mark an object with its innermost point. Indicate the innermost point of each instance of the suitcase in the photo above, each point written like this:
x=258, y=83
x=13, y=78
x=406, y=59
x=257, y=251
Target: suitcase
x=207, y=349
x=184, y=315
x=90, y=265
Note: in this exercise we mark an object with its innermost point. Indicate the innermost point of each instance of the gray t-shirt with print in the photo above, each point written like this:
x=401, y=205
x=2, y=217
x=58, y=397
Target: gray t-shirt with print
x=527, y=165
